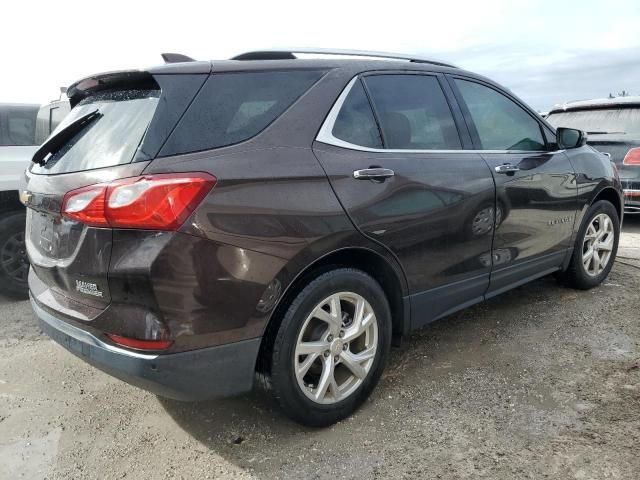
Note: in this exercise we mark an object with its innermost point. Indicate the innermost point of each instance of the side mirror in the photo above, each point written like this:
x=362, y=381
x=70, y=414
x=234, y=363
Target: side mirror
x=570, y=137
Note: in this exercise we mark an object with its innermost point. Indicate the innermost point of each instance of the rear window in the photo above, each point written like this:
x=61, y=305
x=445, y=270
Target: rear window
x=614, y=120
x=233, y=107
x=17, y=125
x=110, y=139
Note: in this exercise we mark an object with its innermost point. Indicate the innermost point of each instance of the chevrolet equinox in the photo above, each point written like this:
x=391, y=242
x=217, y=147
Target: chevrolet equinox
x=195, y=226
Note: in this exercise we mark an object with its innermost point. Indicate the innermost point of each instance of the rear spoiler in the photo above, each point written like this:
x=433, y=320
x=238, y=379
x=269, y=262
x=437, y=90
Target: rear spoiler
x=107, y=81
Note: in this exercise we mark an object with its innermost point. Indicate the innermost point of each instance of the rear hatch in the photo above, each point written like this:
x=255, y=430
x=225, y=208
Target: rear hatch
x=117, y=124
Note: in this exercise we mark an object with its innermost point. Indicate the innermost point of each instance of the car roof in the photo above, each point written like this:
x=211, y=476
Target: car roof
x=597, y=104
x=298, y=63
x=351, y=62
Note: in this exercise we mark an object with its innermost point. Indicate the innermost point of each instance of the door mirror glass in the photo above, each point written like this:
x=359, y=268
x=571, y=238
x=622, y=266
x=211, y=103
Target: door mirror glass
x=570, y=137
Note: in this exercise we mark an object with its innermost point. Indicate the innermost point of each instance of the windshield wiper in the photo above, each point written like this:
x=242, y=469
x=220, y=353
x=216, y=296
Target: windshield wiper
x=600, y=132
x=55, y=143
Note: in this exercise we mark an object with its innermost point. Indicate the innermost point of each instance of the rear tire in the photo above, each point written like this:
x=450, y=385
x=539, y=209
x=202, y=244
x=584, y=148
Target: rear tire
x=595, y=249
x=14, y=264
x=342, y=318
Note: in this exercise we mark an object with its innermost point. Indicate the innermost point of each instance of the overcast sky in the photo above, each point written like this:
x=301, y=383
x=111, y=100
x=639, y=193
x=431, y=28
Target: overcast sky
x=545, y=51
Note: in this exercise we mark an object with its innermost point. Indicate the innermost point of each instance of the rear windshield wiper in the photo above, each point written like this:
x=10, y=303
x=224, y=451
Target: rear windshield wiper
x=600, y=132
x=55, y=143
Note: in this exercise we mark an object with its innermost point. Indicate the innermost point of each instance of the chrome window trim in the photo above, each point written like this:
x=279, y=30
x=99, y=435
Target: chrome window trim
x=325, y=134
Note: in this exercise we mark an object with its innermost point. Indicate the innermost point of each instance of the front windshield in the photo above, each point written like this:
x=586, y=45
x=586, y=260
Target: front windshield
x=112, y=139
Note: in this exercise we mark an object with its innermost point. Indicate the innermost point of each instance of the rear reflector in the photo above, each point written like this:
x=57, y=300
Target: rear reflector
x=632, y=157
x=140, y=344
x=154, y=202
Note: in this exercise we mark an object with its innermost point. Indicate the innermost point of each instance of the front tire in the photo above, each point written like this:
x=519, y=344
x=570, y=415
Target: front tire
x=331, y=347
x=595, y=249
x=14, y=264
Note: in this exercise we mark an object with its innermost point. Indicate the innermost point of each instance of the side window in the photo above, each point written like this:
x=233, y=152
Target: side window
x=413, y=112
x=233, y=107
x=18, y=125
x=355, y=123
x=501, y=124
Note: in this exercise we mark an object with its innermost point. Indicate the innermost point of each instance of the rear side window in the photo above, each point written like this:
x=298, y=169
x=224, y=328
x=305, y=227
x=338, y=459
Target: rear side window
x=500, y=122
x=355, y=123
x=413, y=112
x=18, y=125
x=233, y=107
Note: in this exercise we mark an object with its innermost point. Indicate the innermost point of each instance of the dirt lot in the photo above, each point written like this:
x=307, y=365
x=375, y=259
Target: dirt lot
x=541, y=382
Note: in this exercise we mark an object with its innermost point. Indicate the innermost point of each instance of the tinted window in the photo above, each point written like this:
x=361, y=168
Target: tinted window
x=355, y=123
x=110, y=139
x=18, y=125
x=501, y=124
x=413, y=112
x=233, y=107
x=611, y=120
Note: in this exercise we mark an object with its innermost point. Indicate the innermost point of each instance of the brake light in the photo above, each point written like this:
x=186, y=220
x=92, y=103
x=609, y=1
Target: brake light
x=140, y=344
x=86, y=205
x=632, y=157
x=155, y=202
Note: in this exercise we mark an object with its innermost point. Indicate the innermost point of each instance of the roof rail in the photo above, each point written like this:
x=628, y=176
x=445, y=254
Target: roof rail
x=289, y=54
x=175, y=58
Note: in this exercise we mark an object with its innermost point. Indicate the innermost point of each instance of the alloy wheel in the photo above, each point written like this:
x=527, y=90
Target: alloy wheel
x=598, y=244
x=336, y=348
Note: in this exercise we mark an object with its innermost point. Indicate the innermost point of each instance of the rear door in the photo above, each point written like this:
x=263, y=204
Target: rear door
x=536, y=196
x=393, y=147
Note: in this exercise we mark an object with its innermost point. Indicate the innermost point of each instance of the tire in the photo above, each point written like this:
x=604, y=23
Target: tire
x=584, y=277
x=14, y=265
x=300, y=325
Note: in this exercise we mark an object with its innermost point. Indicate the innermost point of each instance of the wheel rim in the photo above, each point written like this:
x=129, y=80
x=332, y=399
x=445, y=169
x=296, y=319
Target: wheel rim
x=13, y=258
x=336, y=348
x=598, y=244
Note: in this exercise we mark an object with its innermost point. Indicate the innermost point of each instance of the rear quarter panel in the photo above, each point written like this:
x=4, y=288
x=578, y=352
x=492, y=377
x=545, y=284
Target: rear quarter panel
x=594, y=173
x=271, y=214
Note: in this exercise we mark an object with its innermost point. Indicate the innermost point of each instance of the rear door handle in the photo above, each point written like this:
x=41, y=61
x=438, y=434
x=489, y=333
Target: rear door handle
x=507, y=168
x=375, y=173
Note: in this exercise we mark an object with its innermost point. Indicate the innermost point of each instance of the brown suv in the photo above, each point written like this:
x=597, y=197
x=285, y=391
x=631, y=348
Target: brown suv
x=197, y=223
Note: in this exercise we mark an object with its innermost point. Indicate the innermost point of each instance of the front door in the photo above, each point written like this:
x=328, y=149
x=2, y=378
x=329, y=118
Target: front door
x=535, y=185
x=393, y=150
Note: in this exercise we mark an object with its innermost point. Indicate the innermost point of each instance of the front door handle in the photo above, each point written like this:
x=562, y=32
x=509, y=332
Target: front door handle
x=507, y=168
x=374, y=173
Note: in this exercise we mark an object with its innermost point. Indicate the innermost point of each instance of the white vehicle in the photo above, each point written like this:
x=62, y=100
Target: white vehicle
x=22, y=128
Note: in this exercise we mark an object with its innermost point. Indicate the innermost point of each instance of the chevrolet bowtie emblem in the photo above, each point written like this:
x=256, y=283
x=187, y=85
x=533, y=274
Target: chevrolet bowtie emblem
x=25, y=197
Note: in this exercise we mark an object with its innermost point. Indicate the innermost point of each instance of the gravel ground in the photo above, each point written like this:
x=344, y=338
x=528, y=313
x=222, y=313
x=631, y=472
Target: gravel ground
x=541, y=382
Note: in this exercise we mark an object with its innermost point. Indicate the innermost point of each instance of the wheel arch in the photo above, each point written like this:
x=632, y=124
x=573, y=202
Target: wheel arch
x=612, y=196
x=390, y=278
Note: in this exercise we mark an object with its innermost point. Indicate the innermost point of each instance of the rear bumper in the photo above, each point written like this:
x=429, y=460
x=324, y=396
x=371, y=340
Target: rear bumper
x=220, y=371
x=632, y=199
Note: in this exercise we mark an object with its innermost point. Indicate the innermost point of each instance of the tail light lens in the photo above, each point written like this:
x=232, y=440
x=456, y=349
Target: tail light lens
x=140, y=344
x=632, y=157
x=154, y=202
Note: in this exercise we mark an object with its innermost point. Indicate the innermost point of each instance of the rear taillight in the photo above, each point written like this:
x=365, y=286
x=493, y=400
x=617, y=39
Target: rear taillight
x=632, y=157
x=140, y=344
x=154, y=202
